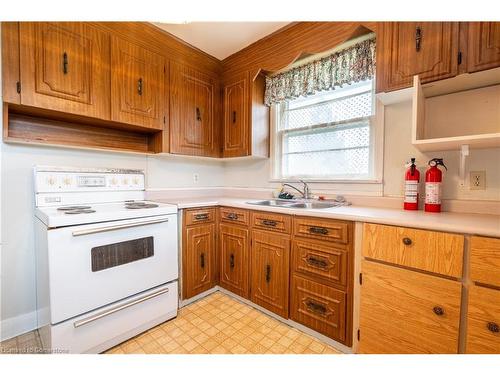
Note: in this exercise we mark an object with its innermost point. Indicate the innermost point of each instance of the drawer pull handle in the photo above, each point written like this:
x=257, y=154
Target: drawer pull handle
x=493, y=327
x=316, y=307
x=234, y=117
x=418, y=38
x=268, y=273
x=202, y=260
x=315, y=262
x=65, y=63
x=198, y=114
x=139, y=86
x=318, y=230
x=438, y=310
x=231, y=261
x=407, y=241
x=269, y=223
x=232, y=216
x=201, y=216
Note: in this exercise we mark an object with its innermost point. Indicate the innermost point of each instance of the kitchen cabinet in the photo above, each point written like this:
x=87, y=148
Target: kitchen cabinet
x=198, y=252
x=483, y=46
x=137, y=85
x=64, y=66
x=194, y=109
x=405, y=49
x=404, y=311
x=269, y=259
x=321, y=282
x=234, y=263
x=246, y=118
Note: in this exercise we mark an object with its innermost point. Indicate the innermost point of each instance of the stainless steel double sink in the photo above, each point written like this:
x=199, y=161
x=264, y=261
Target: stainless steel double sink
x=295, y=204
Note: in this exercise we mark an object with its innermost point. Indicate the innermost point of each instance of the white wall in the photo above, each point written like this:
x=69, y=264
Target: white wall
x=397, y=150
x=17, y=203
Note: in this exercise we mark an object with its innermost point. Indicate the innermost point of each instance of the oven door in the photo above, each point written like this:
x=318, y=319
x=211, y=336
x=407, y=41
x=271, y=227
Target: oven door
x=93, y=265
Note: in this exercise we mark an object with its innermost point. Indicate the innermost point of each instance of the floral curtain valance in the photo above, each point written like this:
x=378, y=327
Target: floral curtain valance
x=353, y=64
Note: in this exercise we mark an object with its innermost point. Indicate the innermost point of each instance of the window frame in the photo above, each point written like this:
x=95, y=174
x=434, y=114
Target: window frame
x=376, y=151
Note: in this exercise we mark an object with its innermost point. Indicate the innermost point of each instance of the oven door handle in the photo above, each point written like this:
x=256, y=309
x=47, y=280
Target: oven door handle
x=84, y=232
x=105, y=313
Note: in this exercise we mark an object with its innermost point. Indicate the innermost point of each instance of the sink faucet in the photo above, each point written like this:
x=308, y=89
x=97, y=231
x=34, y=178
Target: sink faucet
x=306, y=193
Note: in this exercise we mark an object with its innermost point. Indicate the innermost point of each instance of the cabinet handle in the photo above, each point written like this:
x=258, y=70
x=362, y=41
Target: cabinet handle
x=316, y=307
x=198, y=114
x=418, y=38
x=232, y=216
x=315, y=262
x=493, y=327
x=234, y=117
x=202, y=260
x=318, y=230
x=269, y=223
x=139, y=86
x=65, y=63
x=268, y=273
x=407, y=241
x=201, y=216
x=438, y=310
x=231, y=261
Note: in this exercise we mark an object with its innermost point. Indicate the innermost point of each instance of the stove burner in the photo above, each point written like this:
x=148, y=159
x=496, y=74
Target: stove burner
x=139, y=205
x=76, y=212
x=72, y=208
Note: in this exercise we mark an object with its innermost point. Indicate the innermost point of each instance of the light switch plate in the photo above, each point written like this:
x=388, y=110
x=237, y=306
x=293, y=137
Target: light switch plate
x=478, y=180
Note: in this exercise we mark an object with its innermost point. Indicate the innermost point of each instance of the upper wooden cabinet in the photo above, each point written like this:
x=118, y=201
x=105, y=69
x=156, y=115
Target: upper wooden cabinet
x=405, y=49
x=194, y=108
x=137, y=85
x=64, y=66
x=483, y=46
x=246, y=118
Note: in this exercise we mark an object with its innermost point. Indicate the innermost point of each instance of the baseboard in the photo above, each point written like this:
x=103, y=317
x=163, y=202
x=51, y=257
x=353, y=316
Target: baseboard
x=17, y=325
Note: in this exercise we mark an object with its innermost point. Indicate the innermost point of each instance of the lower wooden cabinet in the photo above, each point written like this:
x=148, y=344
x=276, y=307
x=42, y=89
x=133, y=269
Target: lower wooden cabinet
x=319, y=307
x=403, y=311
x=234, y=245
x=198, y=259
x=483, y=321
x=269, y=259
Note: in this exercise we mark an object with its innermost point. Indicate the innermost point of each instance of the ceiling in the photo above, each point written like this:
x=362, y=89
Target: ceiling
x=221, y=39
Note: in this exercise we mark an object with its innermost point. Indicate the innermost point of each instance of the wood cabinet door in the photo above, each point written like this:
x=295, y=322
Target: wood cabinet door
x=234, y=263
x=137, y=85
x=198, y=259
x=403, y=311
x=483, y=321
x=65, y=67
x=270, y=259
x=427, y=49
x=193, y=109
x=483, y=46
x=236, y=127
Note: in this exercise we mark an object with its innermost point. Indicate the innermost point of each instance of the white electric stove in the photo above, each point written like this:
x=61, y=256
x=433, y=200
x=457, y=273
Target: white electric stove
x=107, y=260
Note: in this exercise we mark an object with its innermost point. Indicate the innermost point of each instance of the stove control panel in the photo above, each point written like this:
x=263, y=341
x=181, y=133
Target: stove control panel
x=60, y=181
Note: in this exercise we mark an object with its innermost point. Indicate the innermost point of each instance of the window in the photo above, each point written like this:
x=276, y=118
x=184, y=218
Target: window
x=326, y=136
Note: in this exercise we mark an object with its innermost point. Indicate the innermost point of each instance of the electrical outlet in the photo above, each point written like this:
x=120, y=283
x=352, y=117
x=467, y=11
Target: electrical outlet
x=196, y=178
x=478, y=180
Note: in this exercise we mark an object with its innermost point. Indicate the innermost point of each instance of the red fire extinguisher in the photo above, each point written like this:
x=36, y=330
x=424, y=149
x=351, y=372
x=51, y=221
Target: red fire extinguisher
x=433, y=179
x=412, y=179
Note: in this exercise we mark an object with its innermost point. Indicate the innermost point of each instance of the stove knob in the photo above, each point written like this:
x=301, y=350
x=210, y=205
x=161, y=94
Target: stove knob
x=113, y=181
x=67, y=181
x=51, y=181
x=136, y=181
x=125, y=181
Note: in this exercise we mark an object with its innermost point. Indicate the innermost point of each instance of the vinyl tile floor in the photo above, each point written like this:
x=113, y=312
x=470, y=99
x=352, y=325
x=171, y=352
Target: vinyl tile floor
x=216, y=324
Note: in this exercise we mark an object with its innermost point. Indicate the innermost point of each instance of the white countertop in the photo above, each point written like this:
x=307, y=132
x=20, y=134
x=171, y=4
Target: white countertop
x=480, y=224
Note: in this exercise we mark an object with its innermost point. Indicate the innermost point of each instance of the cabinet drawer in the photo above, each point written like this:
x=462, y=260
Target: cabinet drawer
x=199, y=215
x=270, y=221
x=319, y=307
x=485, y=260
x=403, y=311
x=483, y=321
x=234, y=215
x=320, y=260
x=324, y=229
x=435, y=252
